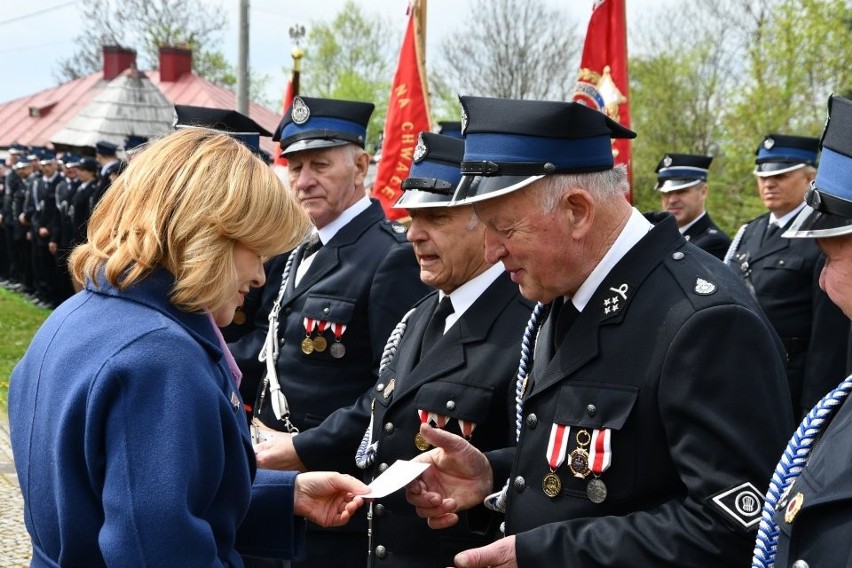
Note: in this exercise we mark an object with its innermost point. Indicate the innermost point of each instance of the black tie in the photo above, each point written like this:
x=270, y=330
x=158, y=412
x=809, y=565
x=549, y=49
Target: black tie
x=435, y=327
x=565, y=314
x=313, y=245
x=770, y=232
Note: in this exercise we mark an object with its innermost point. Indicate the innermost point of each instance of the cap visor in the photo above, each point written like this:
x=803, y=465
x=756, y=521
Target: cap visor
x=479, y=188
x=313, y=144
x=770, y=169
x=417, y=199
x=813, y=224
x=676, y=184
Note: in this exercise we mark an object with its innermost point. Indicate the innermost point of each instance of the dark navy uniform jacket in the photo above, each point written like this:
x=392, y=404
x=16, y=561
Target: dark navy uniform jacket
x=677, y=360
x=706, y=235
x=468, y=375
x=366, y=277
x=818, y=536
x=785, y=276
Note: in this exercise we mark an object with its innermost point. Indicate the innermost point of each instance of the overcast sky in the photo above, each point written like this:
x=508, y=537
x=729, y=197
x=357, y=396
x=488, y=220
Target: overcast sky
x=34, y=36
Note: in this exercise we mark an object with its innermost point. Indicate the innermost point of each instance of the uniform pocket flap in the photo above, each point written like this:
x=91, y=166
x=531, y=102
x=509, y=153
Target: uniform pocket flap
x=457, y=400
x=595, y=405
x=788, y=263
x=332, y=309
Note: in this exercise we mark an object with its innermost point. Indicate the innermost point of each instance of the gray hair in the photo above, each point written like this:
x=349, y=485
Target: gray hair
x=605, y=184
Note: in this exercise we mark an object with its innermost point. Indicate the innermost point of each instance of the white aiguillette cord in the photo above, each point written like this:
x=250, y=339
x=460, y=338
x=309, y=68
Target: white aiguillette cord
x=269, y=353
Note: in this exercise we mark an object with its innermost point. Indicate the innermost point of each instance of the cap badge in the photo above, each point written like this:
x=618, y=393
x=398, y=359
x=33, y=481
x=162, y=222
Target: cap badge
x=300, y=113
x=420, y=150
x=614, y=303
x=463, y=121
x=703, y=287
x=667, y=161
x=768, y=143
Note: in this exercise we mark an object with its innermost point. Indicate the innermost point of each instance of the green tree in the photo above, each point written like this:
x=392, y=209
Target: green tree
x=352, y=58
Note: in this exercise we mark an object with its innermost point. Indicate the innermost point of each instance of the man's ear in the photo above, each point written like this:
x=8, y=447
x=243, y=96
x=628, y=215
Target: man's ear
x=362, y=162
x=578, y=207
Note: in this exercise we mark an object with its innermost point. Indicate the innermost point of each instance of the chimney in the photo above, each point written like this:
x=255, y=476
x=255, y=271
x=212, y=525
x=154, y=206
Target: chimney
x=116, y=60
x=174, y=63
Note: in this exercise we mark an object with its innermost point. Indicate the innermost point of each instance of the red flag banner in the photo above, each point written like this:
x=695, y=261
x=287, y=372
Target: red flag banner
x=408, y=115
x=288, y=100
x=602, y=83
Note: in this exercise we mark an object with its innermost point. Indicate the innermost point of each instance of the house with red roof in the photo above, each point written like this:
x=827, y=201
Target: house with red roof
x=72, y=115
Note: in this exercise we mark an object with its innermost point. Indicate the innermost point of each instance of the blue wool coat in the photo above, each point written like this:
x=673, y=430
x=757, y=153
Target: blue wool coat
x=131, y=444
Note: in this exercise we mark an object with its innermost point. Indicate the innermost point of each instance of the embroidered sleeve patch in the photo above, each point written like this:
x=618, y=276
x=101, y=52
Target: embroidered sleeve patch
x=741, y=504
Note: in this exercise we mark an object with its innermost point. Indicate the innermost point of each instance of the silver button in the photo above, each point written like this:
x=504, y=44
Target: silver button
x=380, y=387
x=591, y=409
x=677, y=255
x=326, y=310
x=381, y=552
x=379, y=510
x=800, y=564
x=382, y=467
x=780, y=263
x=389, y=428
x=532, y=420
x=519, y=484
x=451, y=404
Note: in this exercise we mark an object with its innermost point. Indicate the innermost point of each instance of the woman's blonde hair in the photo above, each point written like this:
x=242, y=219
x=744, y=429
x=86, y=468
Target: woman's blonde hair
x=183, y=203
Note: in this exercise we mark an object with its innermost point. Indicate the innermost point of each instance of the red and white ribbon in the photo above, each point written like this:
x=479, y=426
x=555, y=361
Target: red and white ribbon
x=557, y=445
x=466, y=428
x=310, y=324
x=432, y=418
x=600, y=452
x=321, y=325
x=338, y=329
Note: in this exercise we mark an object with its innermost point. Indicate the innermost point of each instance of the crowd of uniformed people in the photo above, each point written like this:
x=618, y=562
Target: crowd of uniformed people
x=656, y=385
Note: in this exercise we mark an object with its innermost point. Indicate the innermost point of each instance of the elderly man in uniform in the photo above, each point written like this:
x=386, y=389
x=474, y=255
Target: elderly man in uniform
x=807, y=519
x=451, y=363
x=682, y=183
x=638, y=393
x=328, y=307
x=783, y=274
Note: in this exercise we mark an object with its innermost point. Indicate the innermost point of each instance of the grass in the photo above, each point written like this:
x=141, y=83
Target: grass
x=19, y=320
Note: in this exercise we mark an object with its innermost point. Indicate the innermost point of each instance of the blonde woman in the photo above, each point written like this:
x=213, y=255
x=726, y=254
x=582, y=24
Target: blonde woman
x=128, y=430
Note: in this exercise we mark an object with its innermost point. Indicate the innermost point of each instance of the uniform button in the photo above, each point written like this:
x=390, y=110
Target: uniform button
x=288, y=310
x=800, y=564
x=381, y=552
x=379, y=510
x=451, y=404
x=389, y=428
x=591, y=409
x=382, y=467
x=326, y=310
x=519, y=484
x=677, y=255
x=380, y=387
x=281, y=341
x=532, y=420
x=780, y=263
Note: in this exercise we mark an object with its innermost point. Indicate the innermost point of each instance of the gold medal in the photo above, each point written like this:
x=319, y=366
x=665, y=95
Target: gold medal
x=551, y=484
x=578, y=459
x=320, y=343
x=421, y=443
x=337, y=350
x=307, y=346
x=239, y=317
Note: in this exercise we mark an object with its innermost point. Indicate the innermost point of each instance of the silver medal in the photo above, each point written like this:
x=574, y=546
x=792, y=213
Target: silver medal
x=596, y=490
x=337, y=350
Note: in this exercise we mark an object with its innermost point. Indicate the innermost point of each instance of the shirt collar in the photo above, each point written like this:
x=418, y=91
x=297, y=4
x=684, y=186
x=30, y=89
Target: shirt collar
x=465, y=295
x=327, y=232
x=636, y=228
x=686, y=227
x=782, y=222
